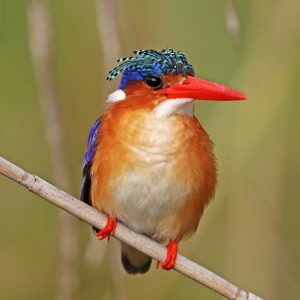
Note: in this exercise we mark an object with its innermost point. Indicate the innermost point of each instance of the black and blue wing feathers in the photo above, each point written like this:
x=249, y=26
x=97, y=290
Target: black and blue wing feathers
x=87, y=162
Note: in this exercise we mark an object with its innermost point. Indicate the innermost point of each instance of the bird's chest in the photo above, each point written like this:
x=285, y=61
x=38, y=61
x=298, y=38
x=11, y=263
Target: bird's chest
x=159, y=169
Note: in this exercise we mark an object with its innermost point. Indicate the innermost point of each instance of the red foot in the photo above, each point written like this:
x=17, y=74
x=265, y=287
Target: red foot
x=172, y=249
x=108, y=229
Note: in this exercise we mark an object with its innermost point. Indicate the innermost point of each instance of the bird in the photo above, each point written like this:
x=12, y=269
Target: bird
x=149, y=164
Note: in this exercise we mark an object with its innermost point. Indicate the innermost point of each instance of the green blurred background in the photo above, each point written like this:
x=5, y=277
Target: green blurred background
x=250, y=233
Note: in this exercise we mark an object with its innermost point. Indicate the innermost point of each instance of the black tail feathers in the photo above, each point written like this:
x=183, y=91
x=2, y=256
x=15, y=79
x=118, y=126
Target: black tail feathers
x=134, y=262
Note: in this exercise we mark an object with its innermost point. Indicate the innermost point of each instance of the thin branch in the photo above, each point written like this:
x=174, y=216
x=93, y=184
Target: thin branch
x=93, y=217
x=107, y=16
x=108, y=31
x=232, y=22
x=106, y=11
x=40, y=46
x=108, y=35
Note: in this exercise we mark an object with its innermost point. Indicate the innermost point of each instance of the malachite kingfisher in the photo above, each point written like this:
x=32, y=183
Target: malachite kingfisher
x=149, y=164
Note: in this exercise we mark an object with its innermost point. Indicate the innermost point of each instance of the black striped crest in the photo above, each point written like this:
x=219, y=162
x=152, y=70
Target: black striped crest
x=153, y=62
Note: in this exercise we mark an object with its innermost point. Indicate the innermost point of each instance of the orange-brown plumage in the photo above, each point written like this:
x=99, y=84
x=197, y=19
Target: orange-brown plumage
x=193, y=163
x=149, y=163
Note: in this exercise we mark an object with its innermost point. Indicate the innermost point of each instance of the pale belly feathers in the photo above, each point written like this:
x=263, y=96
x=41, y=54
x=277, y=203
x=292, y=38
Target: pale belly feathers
x=152, y=189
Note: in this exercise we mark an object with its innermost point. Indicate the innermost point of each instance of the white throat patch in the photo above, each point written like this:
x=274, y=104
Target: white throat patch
x=181, y=106
x=115, y=96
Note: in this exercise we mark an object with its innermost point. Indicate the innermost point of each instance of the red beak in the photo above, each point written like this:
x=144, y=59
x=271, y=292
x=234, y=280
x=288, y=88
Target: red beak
x=200, y=89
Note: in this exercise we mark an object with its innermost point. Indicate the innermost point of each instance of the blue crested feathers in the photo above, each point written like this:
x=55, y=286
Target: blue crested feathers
x=152, y=62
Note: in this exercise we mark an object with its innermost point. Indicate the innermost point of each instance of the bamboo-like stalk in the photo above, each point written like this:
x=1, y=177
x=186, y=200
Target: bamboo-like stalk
x=109, y=37
x=40, y=47
x=106, y=11
x=108, y=32
x=232, y=22
x=90, y=215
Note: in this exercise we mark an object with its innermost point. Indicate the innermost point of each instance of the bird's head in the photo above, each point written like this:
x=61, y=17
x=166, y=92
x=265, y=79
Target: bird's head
x=166, y=79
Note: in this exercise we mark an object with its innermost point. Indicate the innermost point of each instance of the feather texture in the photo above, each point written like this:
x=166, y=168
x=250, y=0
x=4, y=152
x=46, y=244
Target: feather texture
x=150, y=165
x=155, y=175
x=164, y=62
x=87, y=162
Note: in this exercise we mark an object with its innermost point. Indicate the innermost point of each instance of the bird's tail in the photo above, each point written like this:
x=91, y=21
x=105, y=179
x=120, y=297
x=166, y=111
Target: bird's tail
x=134, y=261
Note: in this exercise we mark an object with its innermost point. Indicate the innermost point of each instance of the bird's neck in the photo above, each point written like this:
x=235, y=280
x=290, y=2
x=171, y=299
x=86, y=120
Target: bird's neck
x=181, y=106
x=155, y=133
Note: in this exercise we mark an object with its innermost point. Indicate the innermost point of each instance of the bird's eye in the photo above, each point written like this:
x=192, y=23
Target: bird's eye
x=154, y=81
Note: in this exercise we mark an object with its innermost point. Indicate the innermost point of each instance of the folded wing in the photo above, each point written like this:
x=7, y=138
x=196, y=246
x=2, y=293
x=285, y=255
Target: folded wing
x=87, y=163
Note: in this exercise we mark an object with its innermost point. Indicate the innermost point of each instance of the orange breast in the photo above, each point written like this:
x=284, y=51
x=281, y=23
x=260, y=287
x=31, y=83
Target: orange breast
x=154, y=175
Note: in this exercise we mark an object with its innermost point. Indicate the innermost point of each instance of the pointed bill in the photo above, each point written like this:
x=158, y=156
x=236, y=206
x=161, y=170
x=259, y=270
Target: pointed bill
x=200, y=89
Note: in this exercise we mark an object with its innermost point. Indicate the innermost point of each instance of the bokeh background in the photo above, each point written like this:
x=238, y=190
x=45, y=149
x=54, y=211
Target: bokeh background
x=249, y=234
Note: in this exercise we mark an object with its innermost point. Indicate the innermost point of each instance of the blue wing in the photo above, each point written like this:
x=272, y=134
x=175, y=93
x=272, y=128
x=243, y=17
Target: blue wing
x=87, y=162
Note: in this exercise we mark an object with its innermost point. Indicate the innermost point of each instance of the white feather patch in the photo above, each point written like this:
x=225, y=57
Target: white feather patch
x=116, y=96
x=182, y=106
